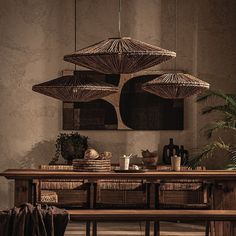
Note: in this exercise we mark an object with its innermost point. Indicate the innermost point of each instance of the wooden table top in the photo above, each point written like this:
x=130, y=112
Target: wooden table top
x=151, y=175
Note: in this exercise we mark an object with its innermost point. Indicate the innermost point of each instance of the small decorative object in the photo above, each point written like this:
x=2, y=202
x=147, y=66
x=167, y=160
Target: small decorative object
x=70, y=146
x=105, y=156
x=175, y=162
x=184, y=155
x=84, y=165
x=124, y=162
x=175, y=86
x=91, y=154
x=75, y=88
x=135, y=167
x=149, y=158
x=169, y=151
x=119, y=56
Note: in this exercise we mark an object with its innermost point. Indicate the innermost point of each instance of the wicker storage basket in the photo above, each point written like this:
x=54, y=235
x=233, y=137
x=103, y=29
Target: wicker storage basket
x=119, y=184
x=91, y=165
x=49, y=196
x=55, y=184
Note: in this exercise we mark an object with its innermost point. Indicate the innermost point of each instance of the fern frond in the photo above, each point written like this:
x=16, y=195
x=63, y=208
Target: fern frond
x=227, y=110
x=207, y=152
x=214, y=126
x=230, y=100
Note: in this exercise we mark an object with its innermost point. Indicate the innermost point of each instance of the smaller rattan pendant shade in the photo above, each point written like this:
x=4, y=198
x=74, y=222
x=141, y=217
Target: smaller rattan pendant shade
x=73, y=88
x=175, y=86
x=119, y=56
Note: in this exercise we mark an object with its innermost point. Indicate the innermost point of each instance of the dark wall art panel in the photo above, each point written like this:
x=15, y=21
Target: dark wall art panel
x=130, y=108
x=141, y=110
x=94, y=115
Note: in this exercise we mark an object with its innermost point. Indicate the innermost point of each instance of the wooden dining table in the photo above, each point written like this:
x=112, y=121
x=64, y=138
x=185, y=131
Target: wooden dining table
x=223, y=182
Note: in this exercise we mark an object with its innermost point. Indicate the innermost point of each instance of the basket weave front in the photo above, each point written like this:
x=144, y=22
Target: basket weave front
x=91, y=165
x=74, y=88
x=175, y=86
x=119, y=56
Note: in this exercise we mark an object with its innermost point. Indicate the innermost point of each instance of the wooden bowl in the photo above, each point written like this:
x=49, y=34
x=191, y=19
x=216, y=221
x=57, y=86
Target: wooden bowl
x=150, y=161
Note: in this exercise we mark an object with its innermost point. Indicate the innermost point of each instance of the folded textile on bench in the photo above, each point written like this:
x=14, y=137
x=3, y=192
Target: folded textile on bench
x=28, y=220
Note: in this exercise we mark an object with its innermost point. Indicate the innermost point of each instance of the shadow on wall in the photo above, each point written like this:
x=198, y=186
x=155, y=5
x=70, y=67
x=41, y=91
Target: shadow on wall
x=41, y=153
x=6, y=194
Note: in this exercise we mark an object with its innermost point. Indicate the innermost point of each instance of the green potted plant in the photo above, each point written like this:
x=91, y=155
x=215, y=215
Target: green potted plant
x=227, y=109
x=70, y=146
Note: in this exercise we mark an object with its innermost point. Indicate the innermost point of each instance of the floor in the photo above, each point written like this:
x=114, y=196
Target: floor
x=137, y=229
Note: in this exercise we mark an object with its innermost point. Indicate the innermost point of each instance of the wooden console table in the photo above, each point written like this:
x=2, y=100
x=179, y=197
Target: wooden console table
x=224, y=191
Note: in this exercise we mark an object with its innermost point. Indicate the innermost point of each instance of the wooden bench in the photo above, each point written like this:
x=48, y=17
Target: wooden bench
x=153, y=215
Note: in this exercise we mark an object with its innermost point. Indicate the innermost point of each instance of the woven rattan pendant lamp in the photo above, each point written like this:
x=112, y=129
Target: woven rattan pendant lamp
x=175, y=86
x=119, y=55
x=75, y=88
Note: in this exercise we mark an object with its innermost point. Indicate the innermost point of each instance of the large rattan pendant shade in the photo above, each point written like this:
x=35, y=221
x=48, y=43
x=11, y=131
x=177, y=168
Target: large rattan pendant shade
x=73, y=88
x=119, y=56
x=175, y=86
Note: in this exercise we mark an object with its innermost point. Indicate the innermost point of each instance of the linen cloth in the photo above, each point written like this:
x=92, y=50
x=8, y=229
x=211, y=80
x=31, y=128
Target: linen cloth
x=29, y=220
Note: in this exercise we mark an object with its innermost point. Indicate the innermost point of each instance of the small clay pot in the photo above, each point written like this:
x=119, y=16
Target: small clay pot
x=150, y=161
x=149, y=158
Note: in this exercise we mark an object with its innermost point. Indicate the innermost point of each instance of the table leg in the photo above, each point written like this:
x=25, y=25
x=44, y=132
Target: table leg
x=88, y=228
x=23, y=192
x=148, y=205
x=156, y=228
x=233, y=228
x=156, y=195
x=92, y=195
x=207, y=230
x=156, y=203
x=94, y=228
x=91, y=201
x=148, y=195
x=94, y=203
x=224, y=193
x=88, y=196
x=34, y=194
x=147, y=228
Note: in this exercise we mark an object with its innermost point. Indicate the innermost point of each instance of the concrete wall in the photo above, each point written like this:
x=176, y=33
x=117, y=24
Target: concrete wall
x=34, y=36
x=151, y=21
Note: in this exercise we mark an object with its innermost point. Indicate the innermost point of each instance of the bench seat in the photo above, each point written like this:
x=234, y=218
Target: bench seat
x=152, y=215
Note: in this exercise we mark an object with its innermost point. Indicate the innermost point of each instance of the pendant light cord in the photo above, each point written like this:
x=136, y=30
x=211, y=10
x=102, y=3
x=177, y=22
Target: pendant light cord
x=75, y=25
x=119, y=19
x=176, y=30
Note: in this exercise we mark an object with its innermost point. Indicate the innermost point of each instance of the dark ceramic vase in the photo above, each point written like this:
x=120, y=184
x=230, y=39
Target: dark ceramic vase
x=184, y=155
x=170, y=150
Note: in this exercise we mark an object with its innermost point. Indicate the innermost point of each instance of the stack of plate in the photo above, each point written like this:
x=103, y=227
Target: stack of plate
x=91, y=165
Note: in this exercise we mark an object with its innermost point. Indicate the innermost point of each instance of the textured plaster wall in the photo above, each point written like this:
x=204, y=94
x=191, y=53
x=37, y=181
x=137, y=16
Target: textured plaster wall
x=34, y=36
x=146, y=21
x=151, y=21
x=201, y=32
x=216, y=60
